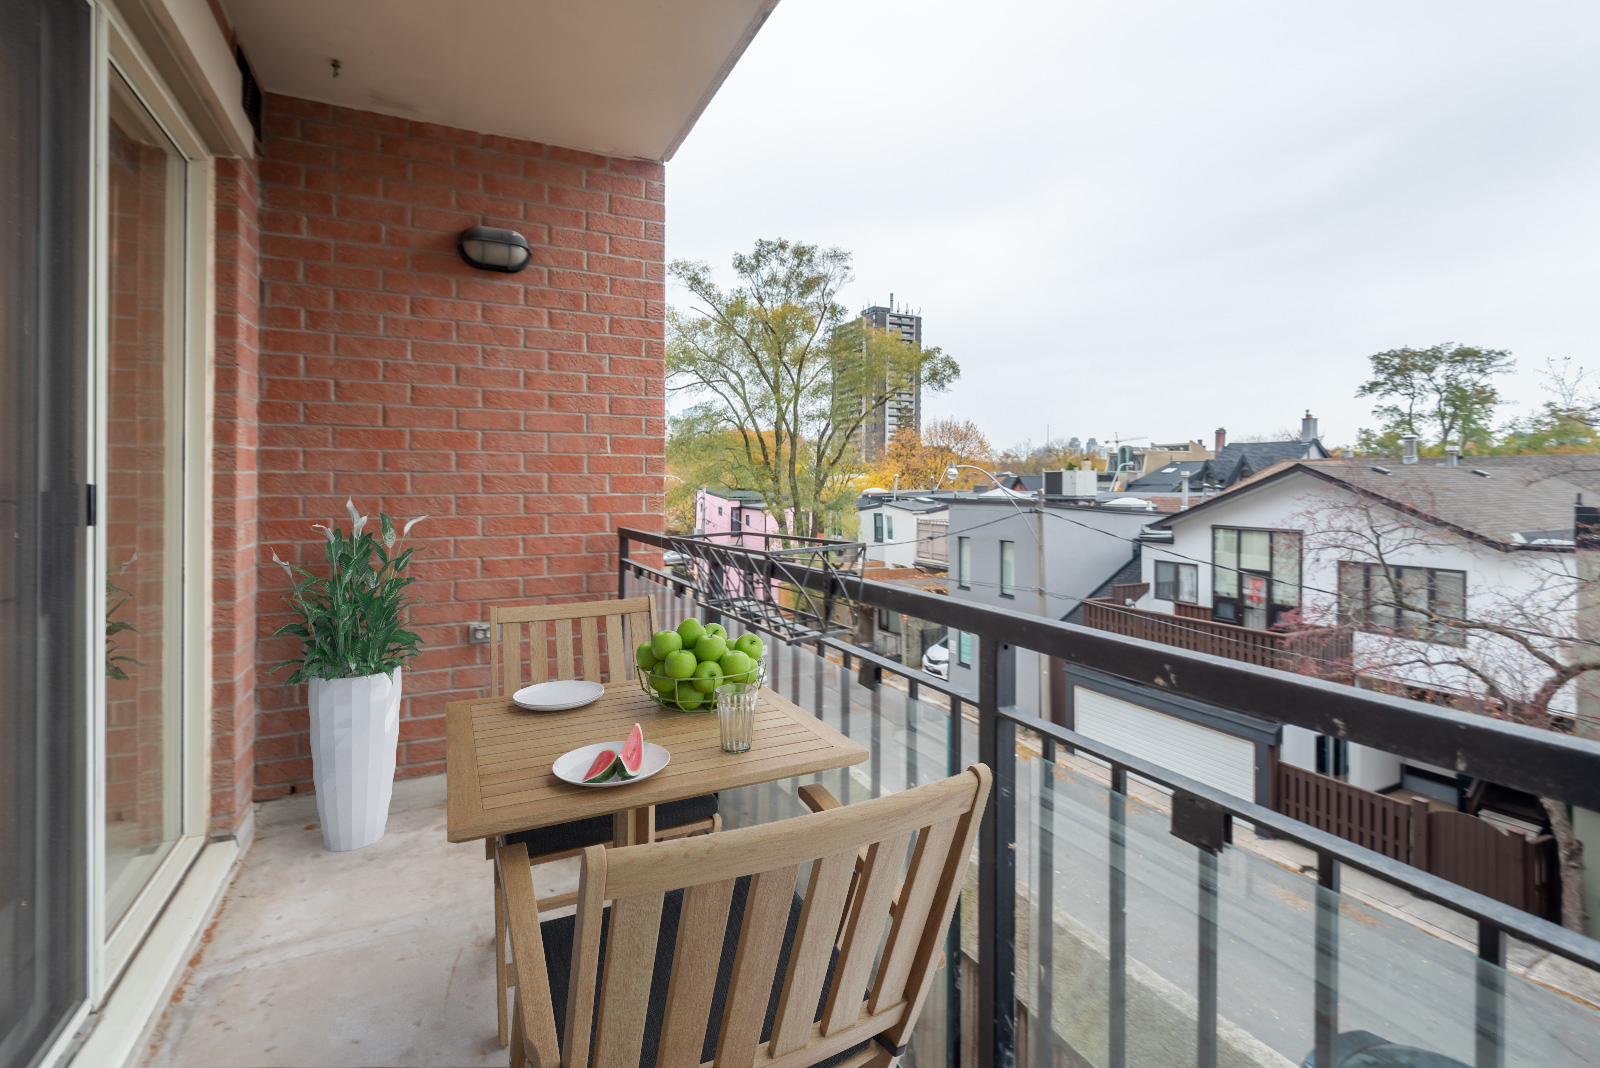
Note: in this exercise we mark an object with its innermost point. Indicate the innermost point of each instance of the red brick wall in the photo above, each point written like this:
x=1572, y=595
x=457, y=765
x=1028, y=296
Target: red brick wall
x=143, y=468
x=523, y=412
x=235, y=576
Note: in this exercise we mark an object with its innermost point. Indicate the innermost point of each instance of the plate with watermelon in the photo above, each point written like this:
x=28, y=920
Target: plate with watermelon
x=612, y=763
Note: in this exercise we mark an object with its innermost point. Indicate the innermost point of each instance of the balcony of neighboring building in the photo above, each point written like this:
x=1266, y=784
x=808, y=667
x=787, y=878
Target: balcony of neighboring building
x=1321, y=651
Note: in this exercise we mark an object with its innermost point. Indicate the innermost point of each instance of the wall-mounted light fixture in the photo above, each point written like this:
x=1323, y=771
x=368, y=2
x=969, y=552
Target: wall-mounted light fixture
x=490, y=249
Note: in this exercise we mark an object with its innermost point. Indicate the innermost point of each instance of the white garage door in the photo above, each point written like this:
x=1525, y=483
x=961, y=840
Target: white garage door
x=1212, y=757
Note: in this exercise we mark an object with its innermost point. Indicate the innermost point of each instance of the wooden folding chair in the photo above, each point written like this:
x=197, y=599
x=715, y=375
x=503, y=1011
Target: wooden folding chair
x=652, y=980
x=607, y=633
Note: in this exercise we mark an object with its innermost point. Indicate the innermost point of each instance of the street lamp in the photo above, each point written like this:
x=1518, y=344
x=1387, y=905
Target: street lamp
x=1038, y=540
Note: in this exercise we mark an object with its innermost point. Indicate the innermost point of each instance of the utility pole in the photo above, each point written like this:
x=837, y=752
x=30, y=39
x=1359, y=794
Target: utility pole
x=1044, y=607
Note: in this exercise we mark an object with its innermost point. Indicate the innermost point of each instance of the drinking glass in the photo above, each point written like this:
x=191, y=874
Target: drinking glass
x=736, y=715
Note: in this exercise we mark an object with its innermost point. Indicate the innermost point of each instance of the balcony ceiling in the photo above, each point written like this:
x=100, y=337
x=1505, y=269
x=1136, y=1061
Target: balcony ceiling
x=617, y=77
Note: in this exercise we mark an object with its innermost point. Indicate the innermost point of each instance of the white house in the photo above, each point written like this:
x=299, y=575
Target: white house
x=1438, y=569
x=890, y=525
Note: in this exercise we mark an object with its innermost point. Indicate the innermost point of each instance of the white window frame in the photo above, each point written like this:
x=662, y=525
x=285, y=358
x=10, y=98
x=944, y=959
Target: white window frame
x=1008, y=569
x=112, y=947
x=964, y=563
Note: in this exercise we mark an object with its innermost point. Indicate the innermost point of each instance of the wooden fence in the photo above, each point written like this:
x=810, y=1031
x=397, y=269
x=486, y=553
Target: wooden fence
x=1505, y=865
x=1321, y=651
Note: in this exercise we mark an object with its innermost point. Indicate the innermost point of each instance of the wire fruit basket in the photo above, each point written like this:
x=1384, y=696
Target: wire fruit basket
x=685, y=695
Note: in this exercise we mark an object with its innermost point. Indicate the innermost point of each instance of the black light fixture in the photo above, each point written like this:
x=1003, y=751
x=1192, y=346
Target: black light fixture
x=491, y=249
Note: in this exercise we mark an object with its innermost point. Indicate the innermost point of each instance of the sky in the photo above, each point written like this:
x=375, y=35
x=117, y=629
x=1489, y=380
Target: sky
x=1148, y=219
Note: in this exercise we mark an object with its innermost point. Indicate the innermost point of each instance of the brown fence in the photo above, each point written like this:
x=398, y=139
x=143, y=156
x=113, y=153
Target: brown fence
x=1322, y=651
x=1365, y=817
x=1470, y=852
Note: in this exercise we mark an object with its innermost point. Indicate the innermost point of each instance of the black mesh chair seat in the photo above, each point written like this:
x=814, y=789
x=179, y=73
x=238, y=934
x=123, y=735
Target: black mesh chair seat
x=596, y=830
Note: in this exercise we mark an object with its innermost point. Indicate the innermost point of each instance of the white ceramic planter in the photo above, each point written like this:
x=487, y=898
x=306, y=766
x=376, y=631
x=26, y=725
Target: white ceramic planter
x=355, y=727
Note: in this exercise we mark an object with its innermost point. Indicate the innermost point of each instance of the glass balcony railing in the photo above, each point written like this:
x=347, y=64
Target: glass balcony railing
x=1156, y=921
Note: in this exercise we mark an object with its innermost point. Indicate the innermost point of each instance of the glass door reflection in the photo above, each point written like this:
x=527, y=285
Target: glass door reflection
x=143, y=510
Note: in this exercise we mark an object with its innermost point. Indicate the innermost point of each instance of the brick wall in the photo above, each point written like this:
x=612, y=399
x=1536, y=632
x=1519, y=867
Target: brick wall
x=235, y=576
x=143, y=459
x=523, y=412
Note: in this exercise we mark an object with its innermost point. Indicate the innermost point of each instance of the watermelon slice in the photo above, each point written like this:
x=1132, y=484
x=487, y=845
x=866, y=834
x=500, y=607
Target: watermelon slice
x=631, y=760
x=602, y=767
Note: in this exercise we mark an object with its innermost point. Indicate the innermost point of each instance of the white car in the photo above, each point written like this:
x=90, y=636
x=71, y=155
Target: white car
x=936, y=661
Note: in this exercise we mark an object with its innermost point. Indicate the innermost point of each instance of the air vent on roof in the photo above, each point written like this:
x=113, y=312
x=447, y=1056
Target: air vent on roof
x=1380, y=470
x=1055, y=483
x=1480, y=472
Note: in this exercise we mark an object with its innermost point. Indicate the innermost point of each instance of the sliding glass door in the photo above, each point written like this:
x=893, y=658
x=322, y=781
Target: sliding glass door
x=46, y=51
x=143, y=523
x=148, y=548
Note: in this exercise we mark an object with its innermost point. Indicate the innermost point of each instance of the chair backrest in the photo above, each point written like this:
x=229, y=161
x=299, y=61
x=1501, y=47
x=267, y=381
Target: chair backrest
x=623, y=624
x=937, y=823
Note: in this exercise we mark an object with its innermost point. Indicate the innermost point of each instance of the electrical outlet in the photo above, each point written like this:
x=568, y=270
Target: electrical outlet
x=477, y=634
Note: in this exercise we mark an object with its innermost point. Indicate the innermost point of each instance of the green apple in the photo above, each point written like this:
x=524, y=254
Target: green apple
x=646, y=658
x=710, y=647
x=750, y=646
x=718, y=629
x=664, y=642
x=689, y=697
x=679, y=665
x=690, y=631
x=707, y=675
x=735, y=666
x=665, y=685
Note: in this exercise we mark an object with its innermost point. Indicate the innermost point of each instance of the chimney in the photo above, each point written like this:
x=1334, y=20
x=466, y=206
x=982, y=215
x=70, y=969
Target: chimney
x=1222, y=439
x=1585, y=525
x=1308, y=428
x=1410, y=455
x=1452, y=455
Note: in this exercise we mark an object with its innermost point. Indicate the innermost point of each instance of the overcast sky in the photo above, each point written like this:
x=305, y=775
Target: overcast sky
x=1153, y=218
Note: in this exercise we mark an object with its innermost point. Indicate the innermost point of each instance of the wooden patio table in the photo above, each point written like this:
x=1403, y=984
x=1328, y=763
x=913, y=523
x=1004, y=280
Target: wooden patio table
x=498, y=758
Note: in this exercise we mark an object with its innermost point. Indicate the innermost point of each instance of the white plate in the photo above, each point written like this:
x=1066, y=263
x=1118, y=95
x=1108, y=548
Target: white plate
x=569, y=767
x=557, y=696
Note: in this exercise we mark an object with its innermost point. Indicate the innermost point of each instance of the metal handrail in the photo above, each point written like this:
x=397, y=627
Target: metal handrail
x=1565, y=767
x=1526, y=758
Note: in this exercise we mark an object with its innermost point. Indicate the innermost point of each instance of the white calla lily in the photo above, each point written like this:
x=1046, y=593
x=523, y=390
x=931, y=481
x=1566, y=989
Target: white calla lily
x=326, y=530
x=407, y=528
x=286, y=569
x=350, y=506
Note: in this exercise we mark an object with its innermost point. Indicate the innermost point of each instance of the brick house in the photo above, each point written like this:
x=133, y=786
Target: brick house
x=233, y=301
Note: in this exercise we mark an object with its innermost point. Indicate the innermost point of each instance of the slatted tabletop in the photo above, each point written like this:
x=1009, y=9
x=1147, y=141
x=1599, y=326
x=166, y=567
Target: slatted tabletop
x=498, y=758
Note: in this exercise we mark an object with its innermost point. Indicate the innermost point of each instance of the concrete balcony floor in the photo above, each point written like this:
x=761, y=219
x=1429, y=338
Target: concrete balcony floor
x=378, y=956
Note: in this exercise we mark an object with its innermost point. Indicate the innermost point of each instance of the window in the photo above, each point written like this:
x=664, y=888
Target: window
x=1425, y=598
x=877, y=527
x=1255, y=575
x=964, y=649
x=1177, y=582
x=888, y=527
x=889, y=621
x=1008, y=569
x=964, y=563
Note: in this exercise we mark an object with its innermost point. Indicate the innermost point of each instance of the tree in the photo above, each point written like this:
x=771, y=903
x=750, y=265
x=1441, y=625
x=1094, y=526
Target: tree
x=1512, y=651
x=781, y=381
x=1440, y=394
x=921, y=460
x=1569, y=423
x=1026, y=458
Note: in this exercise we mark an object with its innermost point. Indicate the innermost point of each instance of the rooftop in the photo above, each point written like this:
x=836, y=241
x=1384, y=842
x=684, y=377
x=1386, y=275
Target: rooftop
x=1510, y=502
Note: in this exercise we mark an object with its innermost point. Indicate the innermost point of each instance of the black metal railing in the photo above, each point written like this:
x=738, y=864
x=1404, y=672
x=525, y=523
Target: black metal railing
x=1540, y=762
